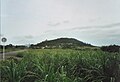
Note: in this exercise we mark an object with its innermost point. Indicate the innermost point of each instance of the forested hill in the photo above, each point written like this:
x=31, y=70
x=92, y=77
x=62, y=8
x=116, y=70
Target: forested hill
x=61, y=43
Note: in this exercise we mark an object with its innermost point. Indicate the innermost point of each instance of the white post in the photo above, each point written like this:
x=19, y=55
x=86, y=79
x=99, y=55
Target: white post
x=4, y=40
x=3, y=50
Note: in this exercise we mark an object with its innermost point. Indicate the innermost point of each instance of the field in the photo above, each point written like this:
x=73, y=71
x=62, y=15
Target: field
x=62, y=65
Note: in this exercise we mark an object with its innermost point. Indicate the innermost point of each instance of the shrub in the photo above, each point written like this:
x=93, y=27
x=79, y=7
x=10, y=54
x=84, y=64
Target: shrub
x=111, y=48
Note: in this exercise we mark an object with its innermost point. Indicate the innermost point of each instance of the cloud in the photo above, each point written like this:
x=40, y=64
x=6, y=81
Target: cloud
x=58, y=23
x=96, y=27
x=24, y=37
x=91, y=34
x=29, y=37
x=66, y=21
x=109, y=25
x=54, y=24
x=35, y=17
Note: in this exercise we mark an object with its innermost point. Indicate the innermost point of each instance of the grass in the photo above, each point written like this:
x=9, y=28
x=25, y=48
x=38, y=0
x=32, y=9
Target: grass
x=58, y=65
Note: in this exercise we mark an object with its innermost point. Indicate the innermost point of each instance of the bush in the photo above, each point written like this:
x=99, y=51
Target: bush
x=111, y=48
x=20, y=55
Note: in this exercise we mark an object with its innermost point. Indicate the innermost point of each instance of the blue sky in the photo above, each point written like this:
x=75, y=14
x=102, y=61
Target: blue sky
x=32, y=21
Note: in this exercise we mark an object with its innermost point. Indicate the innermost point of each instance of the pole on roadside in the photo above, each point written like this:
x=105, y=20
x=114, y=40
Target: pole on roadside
x=4, y=40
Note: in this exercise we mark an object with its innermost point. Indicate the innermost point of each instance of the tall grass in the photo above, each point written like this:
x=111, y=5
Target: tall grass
x=57, y=65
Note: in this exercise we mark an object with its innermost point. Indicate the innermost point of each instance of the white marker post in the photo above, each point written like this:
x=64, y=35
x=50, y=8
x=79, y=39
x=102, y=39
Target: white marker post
x=4, y=40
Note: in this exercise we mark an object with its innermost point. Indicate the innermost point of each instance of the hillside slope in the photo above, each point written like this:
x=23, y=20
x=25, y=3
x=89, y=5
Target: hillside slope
x=61, y=43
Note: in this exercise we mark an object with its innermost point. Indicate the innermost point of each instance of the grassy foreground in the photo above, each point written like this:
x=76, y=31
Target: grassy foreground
x=58, y=65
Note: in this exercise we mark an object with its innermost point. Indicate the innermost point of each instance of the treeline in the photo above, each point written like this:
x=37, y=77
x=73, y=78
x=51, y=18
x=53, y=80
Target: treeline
x=11, y=46
x=60, y=43
x=111, y=48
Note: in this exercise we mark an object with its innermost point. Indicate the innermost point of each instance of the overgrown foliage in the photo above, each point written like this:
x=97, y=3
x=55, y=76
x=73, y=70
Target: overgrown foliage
x=111, y=48
x=57, y=65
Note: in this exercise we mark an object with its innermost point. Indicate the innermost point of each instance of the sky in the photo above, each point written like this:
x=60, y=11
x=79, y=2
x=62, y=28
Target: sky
x=31, y=21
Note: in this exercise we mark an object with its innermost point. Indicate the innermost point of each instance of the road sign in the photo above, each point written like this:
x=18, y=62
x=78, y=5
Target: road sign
x=4, y=39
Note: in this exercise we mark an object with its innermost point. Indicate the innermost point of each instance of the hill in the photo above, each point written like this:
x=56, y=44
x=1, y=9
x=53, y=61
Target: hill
x=61, y=43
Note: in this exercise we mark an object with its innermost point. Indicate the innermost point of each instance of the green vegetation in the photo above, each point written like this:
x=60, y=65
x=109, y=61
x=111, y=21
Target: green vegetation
x=58, y=65
x=61, y=43
x=10, y=47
